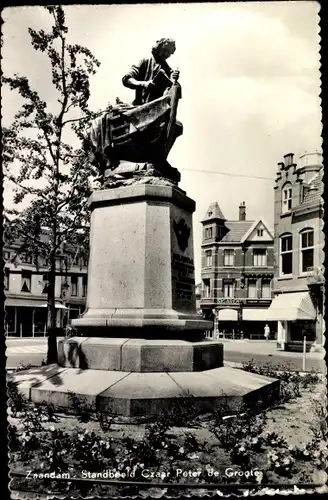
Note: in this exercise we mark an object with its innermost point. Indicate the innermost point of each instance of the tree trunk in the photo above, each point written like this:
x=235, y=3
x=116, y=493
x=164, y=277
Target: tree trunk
x=51, y=316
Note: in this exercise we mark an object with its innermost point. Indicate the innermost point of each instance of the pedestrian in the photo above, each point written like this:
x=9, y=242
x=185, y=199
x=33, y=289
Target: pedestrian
x=266, y=332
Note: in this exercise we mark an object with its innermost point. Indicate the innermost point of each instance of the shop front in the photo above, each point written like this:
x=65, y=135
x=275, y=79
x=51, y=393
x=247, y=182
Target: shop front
x=227, y=323
x=254, y=321
x=28, y=317
x=296, y=317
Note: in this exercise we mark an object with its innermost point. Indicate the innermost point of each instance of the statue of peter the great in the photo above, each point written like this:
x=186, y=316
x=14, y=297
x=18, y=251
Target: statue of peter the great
x=152, y=76
x=134, y=140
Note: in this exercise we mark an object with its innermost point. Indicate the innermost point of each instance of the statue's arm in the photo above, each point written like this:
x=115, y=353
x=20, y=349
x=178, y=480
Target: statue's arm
x=136, y=76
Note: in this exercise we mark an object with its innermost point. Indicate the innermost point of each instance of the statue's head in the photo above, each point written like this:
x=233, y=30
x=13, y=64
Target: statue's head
x=164, y=47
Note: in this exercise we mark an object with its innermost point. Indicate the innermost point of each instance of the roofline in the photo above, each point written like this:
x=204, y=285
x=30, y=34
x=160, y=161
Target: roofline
x=251, y=229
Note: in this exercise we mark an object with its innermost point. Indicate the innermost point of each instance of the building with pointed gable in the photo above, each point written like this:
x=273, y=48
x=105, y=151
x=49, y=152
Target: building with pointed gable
x=298, y=246
x=237, y=273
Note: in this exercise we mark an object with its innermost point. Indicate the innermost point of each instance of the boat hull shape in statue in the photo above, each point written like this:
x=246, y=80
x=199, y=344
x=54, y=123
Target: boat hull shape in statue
x=135, y=133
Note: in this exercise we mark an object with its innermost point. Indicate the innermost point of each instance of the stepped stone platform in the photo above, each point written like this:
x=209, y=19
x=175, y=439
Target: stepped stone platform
x=141, y=346
x=126, y=377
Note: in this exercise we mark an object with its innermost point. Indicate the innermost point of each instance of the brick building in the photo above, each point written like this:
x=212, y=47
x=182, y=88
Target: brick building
x=26, y=291
x=298, y=246
x=237, y=272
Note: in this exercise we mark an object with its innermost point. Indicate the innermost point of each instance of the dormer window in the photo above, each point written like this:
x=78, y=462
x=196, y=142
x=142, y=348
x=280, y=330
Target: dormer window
x=260, y=232
x=208, y=232
x=210, y=213
x=286, y=198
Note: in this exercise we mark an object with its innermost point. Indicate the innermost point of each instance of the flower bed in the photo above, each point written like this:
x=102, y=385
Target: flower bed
x=284, y=444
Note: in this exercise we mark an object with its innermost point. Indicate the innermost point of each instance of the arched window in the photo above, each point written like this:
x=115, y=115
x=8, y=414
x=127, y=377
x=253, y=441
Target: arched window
x=286, y=254
x=307, y=250
x=286, y=198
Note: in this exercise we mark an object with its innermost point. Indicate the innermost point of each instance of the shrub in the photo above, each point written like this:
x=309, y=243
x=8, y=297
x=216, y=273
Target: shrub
x=90, y=450
x=57, y=449
x=182, y=414
x=290, y=381
x=230, y=432
x=318, y=426
x=81, y=408
x=29, y=442
x=16, y=402
x=281, y=462
x=105, y=419
x=13, y=438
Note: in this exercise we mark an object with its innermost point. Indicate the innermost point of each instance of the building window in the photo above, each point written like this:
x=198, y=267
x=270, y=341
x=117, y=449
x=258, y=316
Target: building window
x=259, y=257
x=307, y=250
x=229, y=290
x=74, y=286
x=229, y=256
x=26, y=281
x=266, y=289
x=251, y=292
x=207, y=288
x=6, y=255
x=6, y=279
x=208, y=232
x=45, y=283
x=26, y=258
x=260, y=232
x=286, y=254
x=208, y=258
x=286, y=198
x=84, y=286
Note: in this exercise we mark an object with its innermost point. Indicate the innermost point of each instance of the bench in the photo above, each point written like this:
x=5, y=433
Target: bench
x=297, y=346
x=256, y=336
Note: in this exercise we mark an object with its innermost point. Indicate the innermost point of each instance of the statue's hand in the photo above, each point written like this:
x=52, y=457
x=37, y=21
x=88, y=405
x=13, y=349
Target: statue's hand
x=175, y=75
x=147, y=84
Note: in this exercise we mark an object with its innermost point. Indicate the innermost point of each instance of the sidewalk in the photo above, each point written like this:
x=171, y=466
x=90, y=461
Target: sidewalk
x=268, y=347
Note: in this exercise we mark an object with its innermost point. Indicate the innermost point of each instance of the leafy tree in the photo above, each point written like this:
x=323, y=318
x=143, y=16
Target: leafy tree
x=52, y=179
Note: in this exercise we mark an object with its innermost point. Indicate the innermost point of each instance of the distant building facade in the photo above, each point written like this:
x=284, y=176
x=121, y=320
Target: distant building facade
x=26, y=291
x=237, y=273
x=298, y=246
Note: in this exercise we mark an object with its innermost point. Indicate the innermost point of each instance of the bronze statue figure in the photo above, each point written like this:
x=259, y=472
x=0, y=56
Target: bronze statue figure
x=134, y=140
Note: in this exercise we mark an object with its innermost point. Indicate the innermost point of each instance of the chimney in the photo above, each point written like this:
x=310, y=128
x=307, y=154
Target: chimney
x=242, y=211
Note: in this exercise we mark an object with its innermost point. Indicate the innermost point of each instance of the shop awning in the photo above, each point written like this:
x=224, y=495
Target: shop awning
x=10, y=302
x=291, y=307
x=255, y=314
x=228, y=315
x=58, y=305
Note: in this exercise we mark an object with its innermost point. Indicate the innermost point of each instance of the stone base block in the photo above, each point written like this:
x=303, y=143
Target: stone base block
x=133, y=395
x=139, y=355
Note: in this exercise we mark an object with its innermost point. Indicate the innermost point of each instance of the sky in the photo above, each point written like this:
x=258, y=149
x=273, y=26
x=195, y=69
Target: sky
x=250, y=77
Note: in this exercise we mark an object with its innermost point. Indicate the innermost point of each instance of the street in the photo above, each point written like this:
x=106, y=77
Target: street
x=27, y=351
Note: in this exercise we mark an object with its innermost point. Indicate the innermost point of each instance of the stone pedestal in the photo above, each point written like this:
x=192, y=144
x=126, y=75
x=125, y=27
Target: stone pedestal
x=141, y=269
x=142, y=347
